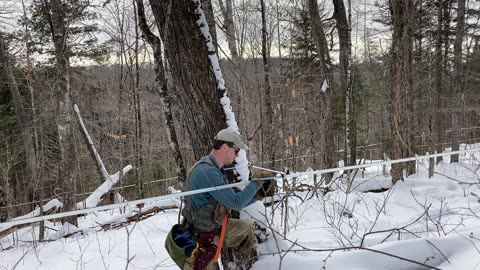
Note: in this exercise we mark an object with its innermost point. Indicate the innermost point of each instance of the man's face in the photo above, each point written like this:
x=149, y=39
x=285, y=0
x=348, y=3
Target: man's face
x=232, y=152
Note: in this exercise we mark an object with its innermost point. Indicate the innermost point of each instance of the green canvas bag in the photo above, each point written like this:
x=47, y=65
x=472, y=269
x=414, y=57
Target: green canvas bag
x=174, y=250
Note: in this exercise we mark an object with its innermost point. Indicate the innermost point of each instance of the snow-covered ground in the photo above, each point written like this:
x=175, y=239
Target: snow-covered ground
x=434, y=221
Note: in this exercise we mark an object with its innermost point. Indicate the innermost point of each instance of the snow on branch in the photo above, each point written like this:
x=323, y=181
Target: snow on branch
x=242, y=161
x=138, y=214
x=49, y=207
x=104, y=188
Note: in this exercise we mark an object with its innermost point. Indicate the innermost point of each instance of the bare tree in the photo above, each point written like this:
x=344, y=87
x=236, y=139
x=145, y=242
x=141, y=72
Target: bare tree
x=434, y=120
x=458, y=79
x=22, y=118
x=326, y=145
x=268, y=128
x=229, y=28
x=346, y=78
x=137, y=109
x=402, y=16
x=68, y=175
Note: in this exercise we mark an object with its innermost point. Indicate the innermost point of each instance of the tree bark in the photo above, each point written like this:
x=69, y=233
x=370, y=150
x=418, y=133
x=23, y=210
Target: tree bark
x=267, y=86
x=137, y=113
x=346, y=79
x=458, y=80
x=187, y=58
x=326, y=145
x=435, y=121
x=401, y=73
x=163, y=91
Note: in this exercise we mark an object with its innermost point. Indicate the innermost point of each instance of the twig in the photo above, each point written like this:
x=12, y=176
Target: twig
x=438, y=250
x=395, y=229
x=361, y=248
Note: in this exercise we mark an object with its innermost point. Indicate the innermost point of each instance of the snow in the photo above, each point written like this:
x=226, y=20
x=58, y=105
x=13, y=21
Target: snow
x=325, y=86
x=418, y=221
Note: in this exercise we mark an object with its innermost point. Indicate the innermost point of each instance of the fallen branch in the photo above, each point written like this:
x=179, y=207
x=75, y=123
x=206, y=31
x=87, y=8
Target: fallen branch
x=96, y=197
x=48, y=208
x=137, y=217
x=109, y=181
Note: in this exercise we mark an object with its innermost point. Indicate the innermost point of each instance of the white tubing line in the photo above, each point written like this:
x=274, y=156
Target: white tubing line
x=389, y=162
x=268, y=170
x=8, y=224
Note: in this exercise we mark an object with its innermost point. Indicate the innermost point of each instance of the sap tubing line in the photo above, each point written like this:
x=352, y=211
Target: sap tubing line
x=8, y=224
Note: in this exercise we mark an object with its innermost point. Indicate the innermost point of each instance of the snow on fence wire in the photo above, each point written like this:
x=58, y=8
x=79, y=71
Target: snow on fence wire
x=181, y=194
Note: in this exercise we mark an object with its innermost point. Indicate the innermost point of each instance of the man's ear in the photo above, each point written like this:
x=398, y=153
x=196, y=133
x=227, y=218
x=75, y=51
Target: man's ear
x=224, y=146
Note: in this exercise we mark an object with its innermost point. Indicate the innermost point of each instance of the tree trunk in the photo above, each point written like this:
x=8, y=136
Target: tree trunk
x=458, y=80
x=137, y=113
x=434, y=121
x=187, y=58
x=163, y=90
x=37, y=173
x=401, y=73
x=326, y=145
x=229, y=28
x=68, y=165
x=267, y=85
x=345, y=59
x=409, y=89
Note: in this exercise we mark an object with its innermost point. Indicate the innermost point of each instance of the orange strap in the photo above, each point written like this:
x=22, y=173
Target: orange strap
x=222, y=238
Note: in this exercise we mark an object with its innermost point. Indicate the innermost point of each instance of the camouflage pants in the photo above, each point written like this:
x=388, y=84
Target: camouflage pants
x=241, y=240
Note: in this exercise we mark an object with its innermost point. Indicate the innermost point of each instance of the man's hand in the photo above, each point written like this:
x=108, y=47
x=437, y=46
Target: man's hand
x=268, y=188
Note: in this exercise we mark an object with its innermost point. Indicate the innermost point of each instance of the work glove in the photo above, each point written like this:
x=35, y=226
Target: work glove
x=267, y=188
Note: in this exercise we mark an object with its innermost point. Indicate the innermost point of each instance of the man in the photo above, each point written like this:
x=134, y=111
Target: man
x=204, y=212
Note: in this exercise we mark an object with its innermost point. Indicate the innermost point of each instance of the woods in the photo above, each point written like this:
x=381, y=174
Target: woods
x=311, y=83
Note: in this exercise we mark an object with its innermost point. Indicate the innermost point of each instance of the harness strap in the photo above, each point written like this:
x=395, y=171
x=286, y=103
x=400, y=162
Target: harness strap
x=222, y=238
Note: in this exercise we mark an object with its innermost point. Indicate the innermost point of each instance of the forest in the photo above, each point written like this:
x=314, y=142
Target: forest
x=312, y=84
